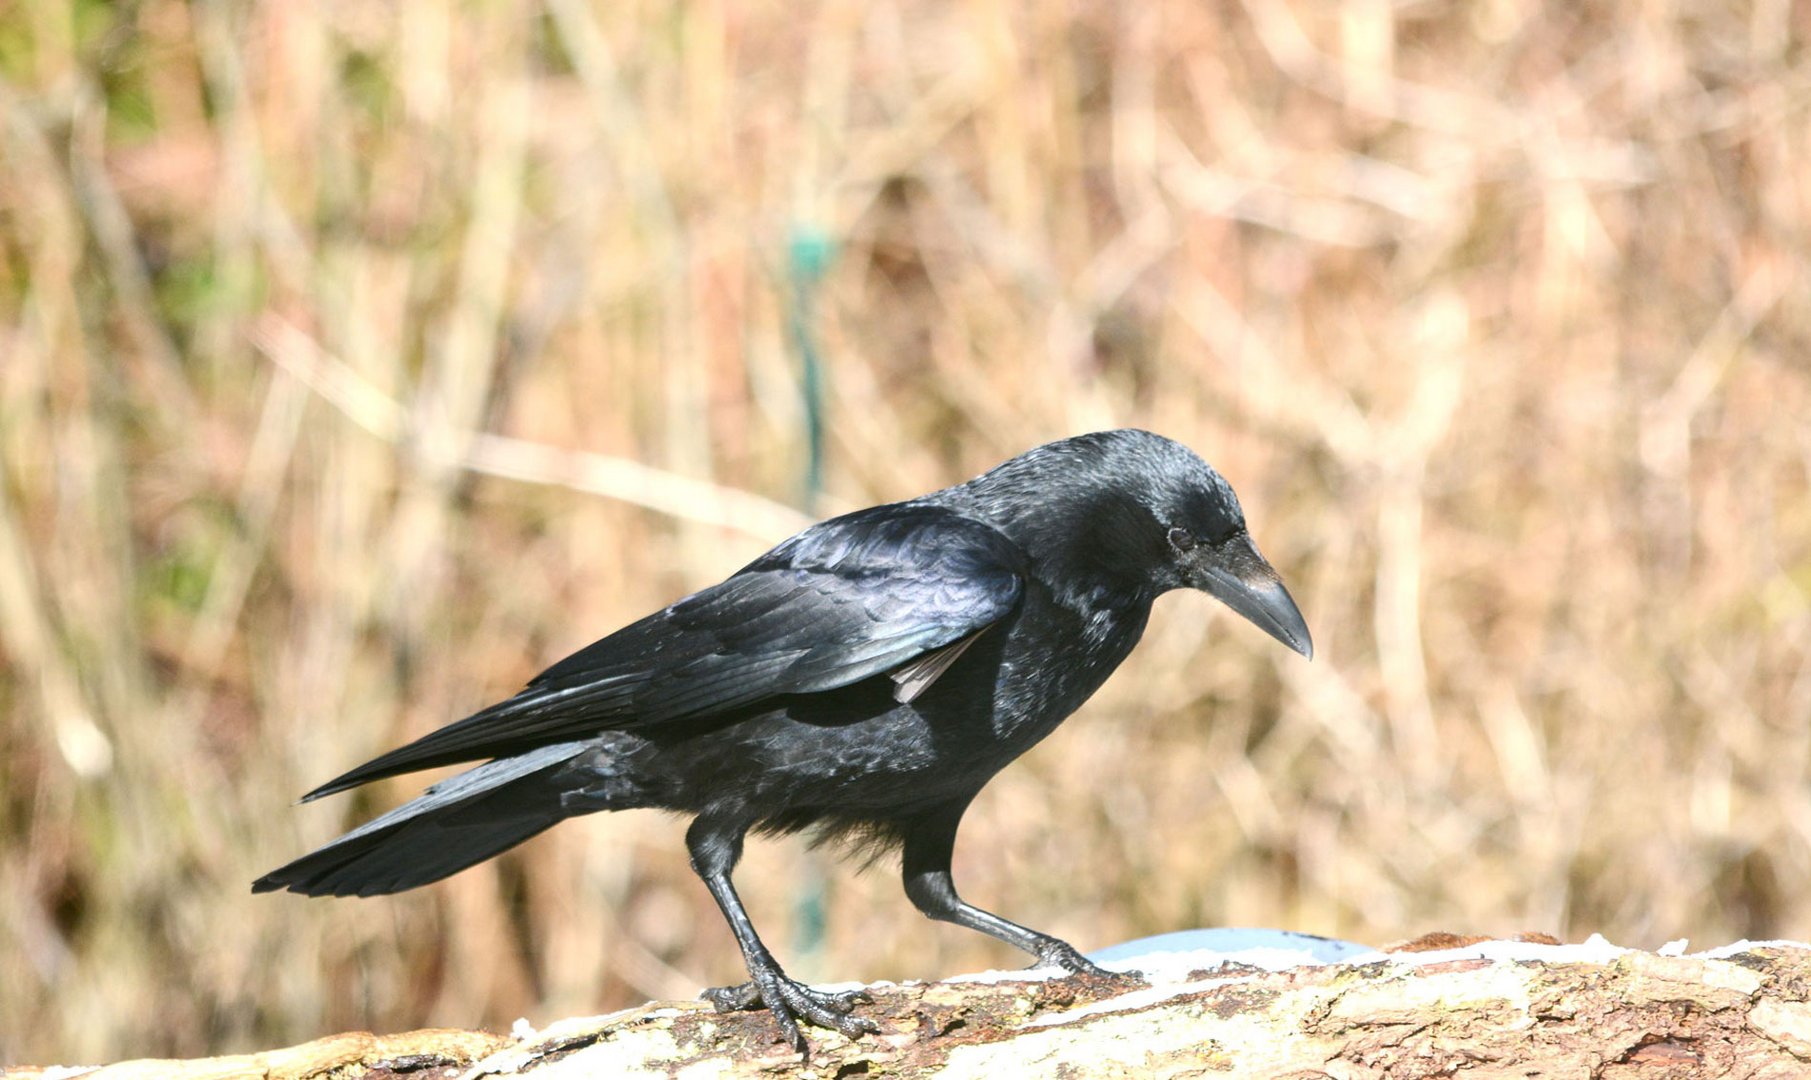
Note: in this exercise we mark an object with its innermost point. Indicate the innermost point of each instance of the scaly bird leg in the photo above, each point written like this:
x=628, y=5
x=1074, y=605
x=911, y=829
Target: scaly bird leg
x=929, y=847
x=715, y=844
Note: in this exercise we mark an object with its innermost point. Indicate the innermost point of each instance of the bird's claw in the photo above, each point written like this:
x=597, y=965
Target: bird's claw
x=733, y=998
x=791, y=1001
x=843, y=1001
x=1064, y=955
x=748, y=996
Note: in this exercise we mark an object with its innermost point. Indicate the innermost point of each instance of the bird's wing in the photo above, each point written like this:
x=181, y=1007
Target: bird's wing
x=845, y=600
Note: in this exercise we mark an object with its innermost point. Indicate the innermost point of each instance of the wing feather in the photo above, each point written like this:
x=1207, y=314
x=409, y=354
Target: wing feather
x=845, y=600
x=917, y=675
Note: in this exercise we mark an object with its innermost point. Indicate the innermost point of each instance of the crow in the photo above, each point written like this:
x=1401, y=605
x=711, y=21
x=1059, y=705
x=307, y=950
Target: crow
x=863, y=680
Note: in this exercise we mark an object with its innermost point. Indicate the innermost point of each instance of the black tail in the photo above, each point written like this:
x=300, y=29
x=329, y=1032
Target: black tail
x=455, y=823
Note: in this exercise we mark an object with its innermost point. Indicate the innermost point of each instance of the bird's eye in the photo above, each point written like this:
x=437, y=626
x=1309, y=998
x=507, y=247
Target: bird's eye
x=1182, y=539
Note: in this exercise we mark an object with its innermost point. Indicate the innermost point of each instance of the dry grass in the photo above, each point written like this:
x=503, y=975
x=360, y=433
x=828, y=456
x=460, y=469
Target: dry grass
x=361, y=358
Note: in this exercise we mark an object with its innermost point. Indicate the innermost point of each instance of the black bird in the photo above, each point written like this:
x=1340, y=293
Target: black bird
x=863, y=680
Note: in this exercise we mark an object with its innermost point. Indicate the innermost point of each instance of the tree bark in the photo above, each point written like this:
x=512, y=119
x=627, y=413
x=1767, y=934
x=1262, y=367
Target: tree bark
x=1477, y=1012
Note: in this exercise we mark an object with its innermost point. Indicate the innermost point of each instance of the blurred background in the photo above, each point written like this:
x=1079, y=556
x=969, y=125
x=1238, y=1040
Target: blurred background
x=359, y=359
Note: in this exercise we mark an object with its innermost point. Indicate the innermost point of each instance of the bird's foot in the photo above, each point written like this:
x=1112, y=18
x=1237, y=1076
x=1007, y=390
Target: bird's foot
x=748, y=996
x=792, y=1001
x=1064, y=955
x=1054, y=953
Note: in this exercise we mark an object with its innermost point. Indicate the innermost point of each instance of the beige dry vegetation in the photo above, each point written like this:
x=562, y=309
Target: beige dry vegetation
x=360, y=358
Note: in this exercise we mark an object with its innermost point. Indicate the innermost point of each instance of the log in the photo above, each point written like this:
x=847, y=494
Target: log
x=1481, y=1010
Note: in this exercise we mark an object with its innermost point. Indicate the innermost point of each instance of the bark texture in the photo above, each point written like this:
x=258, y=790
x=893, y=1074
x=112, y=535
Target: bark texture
x=1743, y=1014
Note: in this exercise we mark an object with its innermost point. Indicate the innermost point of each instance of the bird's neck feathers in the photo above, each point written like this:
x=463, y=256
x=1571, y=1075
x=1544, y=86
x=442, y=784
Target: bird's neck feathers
x=1096, y=555
x=1094, y=547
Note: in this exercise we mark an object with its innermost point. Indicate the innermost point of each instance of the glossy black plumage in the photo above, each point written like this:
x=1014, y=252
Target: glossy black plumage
x=865, y=678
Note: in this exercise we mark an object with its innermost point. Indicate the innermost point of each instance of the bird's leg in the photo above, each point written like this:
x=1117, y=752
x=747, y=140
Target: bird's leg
x=715, y=845
x=929, y=846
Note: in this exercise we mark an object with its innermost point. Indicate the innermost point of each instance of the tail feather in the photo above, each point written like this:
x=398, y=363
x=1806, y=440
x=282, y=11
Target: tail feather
x=516, y=726
x=452, y=825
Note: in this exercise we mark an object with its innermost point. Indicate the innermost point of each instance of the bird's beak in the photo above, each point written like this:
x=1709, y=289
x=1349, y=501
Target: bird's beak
x=1240, y=578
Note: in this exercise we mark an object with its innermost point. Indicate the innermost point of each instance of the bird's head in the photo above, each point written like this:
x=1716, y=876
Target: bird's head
x=1207, y=547
x=1142, y=514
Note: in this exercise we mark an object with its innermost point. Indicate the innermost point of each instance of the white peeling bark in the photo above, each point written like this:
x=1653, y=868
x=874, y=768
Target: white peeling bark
x=1614, y=1017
